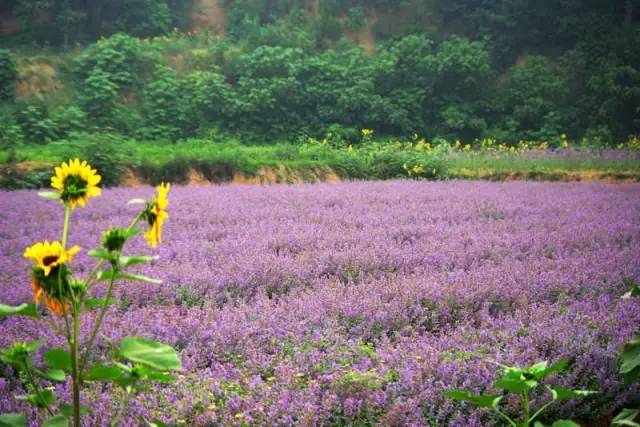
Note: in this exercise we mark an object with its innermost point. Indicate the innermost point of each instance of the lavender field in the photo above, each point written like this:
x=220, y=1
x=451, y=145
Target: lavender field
x=357, y=303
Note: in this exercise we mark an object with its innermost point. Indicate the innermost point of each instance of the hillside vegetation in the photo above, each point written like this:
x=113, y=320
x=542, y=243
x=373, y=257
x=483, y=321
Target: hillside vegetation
x=287, y=71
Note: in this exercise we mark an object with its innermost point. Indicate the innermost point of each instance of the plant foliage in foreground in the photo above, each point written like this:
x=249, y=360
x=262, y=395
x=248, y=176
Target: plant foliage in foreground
x=523, y=382
x=133, y=364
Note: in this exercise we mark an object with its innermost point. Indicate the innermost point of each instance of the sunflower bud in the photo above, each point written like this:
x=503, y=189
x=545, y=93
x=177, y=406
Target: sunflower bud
x=114, y=239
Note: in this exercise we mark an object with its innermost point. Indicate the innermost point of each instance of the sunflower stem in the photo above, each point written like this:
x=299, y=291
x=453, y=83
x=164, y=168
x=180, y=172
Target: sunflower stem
x=75, y=374
x=97, y=324
x=65, y=227
x=36, y=388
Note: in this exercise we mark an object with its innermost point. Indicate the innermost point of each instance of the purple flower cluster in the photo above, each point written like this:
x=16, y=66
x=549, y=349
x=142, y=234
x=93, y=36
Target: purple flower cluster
x=355, y=303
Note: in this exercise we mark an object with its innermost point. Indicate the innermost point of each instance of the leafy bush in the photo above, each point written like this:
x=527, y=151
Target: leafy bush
x=102, y=151
x=68, y=119
x=145, y=18
x=37, y=127
x=531, y=100
x=8, y=75
x=13, y=177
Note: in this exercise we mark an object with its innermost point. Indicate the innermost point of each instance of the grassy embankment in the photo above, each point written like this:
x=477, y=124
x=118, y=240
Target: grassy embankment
x=128, y=162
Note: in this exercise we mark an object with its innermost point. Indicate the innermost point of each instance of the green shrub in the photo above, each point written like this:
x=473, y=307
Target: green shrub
x=103, y=152
x=8, y=75
x=10, y=131
x=37, y=127
x=175, y=170
x=68, y=119
x=12, y=178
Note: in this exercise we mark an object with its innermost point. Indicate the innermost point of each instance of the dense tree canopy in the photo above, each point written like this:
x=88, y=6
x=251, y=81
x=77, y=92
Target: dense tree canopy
x=510, y=69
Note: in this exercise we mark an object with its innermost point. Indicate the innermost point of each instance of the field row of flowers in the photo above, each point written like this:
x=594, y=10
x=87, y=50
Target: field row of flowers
x=355, y=303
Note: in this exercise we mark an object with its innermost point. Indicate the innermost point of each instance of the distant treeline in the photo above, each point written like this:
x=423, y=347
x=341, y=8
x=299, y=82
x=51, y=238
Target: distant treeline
x=469, y=69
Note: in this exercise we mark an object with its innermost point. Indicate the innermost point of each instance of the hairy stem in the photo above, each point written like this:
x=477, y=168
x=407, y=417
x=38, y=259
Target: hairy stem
x=123, y=409
x=96, y=325
x=75, y=373
x=36, y=388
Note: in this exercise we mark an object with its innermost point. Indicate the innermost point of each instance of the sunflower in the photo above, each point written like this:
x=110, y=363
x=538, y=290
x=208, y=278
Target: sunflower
x=156, y=214
x=47, y=256
x=76, y=181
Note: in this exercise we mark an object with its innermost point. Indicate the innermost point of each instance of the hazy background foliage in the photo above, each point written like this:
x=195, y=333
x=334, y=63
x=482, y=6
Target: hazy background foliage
x=275, y=70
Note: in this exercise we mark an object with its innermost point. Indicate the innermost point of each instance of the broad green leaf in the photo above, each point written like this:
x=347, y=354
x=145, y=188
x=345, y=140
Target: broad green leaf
x=33, y=346
x=50, y=195
x=53, y=375
x=13, y=420
x=630, y=358
x=148, y=374
x=482, y=401
x=538, y=369
x=91, y=303
x=513, y=373
x=560, y=393
x=46, y=398
x=19, y=310
x=627, y=417
x=67, y=410
x=515, y=385
x=559, y=366
x=564, y=423
x=126, y=261
x=104, y=373
x=151, y=353
x=57, y=421
x=58, y=358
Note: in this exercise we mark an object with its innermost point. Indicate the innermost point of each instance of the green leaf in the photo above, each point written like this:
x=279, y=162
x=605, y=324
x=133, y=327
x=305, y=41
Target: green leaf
x=91, y=303
x=33, y=346
x=560, y=393
x=13, y=420
x=108, y=274
x=151, y=353
x=67, y=410
x=58, y=358
x=626, y=417
x=537, y=370
x=53, y=375
x=630, y=358
x=46, y=398
x=126, y=261
x=564, y=423
x=100, y=253
x=156, y=423
x=515, y=385
x=482, y=401
x=20, y=310
x=148, y=374
x=634, y=292
x=104, y=373
x=559, y=366
x=513, y=373
x=57, y=421
x=50, y=195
